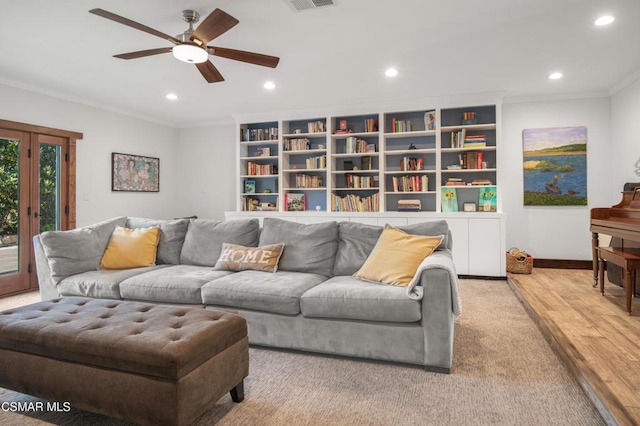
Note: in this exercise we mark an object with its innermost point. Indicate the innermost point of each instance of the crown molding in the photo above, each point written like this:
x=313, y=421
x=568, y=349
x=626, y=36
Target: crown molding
x=625, y=82
x=555, y=97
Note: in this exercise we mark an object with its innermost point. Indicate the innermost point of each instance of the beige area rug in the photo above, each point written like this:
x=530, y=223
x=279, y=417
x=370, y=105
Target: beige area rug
x=504, y=374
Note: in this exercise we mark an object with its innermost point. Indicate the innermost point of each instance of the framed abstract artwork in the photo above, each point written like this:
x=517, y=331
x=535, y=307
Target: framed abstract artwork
x=134, y=173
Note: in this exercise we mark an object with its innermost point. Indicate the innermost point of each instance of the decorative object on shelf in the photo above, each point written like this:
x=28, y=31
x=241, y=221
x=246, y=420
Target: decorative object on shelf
x=449, y=200
x=297, y=131
x=295, y=202
x=487, y=199
x=469, y=117
x=430, y=120
x=343, y=125
x=249, y=186
x=266, y=191
x=555, y=166
x=263, y=152
x=318, y=208
x=637, y=167
x=469, y=207
x=134, y=173
x=519, y=261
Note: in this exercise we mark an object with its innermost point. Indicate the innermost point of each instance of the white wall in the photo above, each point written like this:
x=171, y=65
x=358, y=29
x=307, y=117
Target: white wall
x=104, y=132
x=555, y=232
x=206, y=165
x=625, y=113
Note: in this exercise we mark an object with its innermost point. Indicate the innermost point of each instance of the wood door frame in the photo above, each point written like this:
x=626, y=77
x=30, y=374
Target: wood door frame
x=68, y=181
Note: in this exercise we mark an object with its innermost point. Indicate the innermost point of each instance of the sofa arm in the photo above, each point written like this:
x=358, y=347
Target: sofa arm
x=48, y=289
x=438, y=320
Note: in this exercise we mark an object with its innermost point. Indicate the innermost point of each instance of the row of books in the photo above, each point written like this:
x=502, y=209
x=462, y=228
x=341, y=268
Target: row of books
x=301, y=144
x=308, y=181
x=456, y=181
x=370, y=125
x=409, y=205
x=401, y=126
x=471, y=160
x=354, y=203
x=316, y=127
x=319, y=162
x=475, y=141
x=263, y=152
x=411, y=164
x=269, y=134
x=251, y=204
x=354, y=145
x=359, y=182
x=257, y=169
x=410, y=183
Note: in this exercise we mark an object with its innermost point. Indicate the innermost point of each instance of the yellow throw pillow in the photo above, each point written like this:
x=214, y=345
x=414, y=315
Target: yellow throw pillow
x=241, y=258
x=131, y=248
x=396, y=256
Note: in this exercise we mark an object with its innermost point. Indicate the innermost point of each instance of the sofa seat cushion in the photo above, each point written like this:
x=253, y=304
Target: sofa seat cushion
x=101, y=284
x=174, y=284
x=350, y=298
x=277, y=292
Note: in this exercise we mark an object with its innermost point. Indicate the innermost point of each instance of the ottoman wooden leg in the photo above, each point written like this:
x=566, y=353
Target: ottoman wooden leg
x=237, y=393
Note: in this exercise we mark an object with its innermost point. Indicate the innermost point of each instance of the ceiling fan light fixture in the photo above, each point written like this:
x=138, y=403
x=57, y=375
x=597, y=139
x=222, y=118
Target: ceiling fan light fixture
x=190, y=53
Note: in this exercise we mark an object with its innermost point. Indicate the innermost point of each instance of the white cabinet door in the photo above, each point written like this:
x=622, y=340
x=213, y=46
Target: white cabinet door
x=393, y=221
x=485, y=251
x=460, y=233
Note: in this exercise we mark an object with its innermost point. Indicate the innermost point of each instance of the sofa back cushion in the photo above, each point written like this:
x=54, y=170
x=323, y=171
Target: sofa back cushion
x=172, y=234
x=78, y=250
x=357, y=240
x=203, y=242
x=307, y=248
x=432, y=228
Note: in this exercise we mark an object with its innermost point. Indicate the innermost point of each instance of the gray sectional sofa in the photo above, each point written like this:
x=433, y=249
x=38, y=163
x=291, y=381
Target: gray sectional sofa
x=311, y=303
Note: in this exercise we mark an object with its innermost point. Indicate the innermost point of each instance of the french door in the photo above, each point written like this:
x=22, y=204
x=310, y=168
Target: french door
x=34, y=197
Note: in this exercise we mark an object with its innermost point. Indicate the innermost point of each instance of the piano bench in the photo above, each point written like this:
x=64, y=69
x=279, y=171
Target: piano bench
x=626, y=258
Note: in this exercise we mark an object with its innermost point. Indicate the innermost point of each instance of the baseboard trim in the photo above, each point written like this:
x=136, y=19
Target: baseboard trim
x=562, y=264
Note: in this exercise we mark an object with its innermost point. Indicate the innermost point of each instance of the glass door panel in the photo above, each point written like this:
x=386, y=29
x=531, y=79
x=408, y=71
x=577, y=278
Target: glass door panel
x=50, y=187
x=14, y=219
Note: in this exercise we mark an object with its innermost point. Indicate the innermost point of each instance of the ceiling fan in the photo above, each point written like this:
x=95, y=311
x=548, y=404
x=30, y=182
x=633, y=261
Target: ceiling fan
x=191, y=46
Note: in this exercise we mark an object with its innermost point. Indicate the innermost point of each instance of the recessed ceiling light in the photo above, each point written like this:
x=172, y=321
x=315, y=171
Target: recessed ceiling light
x=269, y=85
x=604, y=20
x=391, y=72
x=171, y=96
x=555, y=75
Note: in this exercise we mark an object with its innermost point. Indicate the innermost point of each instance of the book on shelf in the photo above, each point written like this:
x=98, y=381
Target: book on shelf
x=411, y=164
x=315, y=127
x=410, y=183
x=360, y=182
x=250, y=204
x=309, y=181
x=298, y=144
x=257, y=169
x=250, y=186
x=263, y=152
x=319, y=162
x=398, y=126
x=409, y=206
x=457, y=138
x=366, y=163
x=449, y=200
x=355, y=203
x=295, y=202
x=454, y=181
x=471, y=160
x=248, y=135
x=371, y=147
x=355, y=145
x=481, y=182
x=342, y=132
x=370, y=125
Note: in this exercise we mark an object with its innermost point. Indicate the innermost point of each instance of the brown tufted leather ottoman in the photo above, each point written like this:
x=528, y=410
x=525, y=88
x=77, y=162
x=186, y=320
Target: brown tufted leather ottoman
x=140, y=362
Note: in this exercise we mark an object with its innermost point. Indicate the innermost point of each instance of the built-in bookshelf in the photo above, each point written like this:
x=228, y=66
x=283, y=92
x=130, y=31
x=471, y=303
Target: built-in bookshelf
x=377, y=162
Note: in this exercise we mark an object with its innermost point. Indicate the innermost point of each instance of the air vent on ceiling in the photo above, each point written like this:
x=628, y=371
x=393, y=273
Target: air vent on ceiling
x=301, y=5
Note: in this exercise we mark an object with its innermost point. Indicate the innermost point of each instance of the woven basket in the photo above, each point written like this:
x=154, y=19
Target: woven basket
x=519, y=262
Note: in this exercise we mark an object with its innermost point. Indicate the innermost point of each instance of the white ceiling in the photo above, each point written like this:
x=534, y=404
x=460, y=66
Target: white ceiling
x=329, y=56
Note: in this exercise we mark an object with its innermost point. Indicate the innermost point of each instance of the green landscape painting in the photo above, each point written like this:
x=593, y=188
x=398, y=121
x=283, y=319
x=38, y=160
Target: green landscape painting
x=555, y=166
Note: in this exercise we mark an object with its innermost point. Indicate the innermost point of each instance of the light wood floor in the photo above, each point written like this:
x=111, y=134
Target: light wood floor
x=597, y=340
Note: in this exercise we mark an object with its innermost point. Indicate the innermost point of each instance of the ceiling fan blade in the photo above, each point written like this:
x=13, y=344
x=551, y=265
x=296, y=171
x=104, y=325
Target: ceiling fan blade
x=143, y=53
x=128, y=22
x=241, y=55
x=214, y=25
x=209, y=72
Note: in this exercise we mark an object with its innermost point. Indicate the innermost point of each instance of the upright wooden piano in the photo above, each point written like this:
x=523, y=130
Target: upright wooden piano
x=621, y=221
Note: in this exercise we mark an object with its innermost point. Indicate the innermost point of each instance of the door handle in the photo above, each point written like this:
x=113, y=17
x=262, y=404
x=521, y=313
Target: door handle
x=35, y=214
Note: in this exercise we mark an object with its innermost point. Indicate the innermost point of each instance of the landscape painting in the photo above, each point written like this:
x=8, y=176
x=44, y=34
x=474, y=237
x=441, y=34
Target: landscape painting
x=555, y=166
